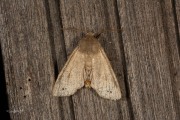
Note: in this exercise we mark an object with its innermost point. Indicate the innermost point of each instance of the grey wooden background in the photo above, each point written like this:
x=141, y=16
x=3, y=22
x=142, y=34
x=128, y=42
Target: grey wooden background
x=144, y=53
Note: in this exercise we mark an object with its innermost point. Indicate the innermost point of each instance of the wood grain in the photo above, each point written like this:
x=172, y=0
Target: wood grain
x=144, y=53
x=152, y=58
x=176, y=7
x=177, y=26
x=91, y=15
x=27, y=60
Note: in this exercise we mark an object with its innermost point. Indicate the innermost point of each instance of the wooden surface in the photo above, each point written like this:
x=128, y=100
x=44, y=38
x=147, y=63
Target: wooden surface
x=144, y=53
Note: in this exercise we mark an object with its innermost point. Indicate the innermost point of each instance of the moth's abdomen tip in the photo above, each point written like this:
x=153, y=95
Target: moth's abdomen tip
x=87, y=84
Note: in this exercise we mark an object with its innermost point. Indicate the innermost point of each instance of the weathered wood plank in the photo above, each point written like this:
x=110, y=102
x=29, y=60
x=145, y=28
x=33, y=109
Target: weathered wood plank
x=34, y=50
x=177, y=18
x=95, y=15
x=152, y=58
x=27, y=59
x=172, y=49
x=177, y=14
x=59, y=53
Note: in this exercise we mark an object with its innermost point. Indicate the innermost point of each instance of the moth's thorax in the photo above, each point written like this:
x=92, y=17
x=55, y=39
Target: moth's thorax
x=89, y=45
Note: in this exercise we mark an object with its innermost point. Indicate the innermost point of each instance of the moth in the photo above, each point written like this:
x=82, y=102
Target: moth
x=88, y=66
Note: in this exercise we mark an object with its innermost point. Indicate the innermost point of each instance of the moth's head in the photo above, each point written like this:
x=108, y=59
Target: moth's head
x=95, y=35
x=89, y=43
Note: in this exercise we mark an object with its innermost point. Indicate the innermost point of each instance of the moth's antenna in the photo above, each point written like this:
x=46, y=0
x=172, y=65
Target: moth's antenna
x=110, y=30
x=97, y=35
x=73, y=29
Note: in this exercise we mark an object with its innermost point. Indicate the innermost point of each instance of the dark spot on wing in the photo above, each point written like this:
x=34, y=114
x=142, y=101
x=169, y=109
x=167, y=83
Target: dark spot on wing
x=63, y=88
x=109, y=91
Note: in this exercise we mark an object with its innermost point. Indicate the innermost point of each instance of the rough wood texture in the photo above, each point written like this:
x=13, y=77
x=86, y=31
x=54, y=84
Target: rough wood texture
x=152, y=58
x=29, y=69
x=176, y=5
x=144, y=54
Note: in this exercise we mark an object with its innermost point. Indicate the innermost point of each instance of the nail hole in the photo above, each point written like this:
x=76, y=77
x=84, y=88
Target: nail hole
x=29, y=79
x=20, y=87
x=24, y=96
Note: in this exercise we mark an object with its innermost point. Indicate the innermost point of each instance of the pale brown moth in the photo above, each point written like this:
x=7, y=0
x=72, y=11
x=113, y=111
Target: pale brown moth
x=88, y=66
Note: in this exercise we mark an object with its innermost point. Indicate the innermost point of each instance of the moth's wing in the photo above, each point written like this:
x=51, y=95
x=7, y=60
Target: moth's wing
x=104, y=80
x=70, y=79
